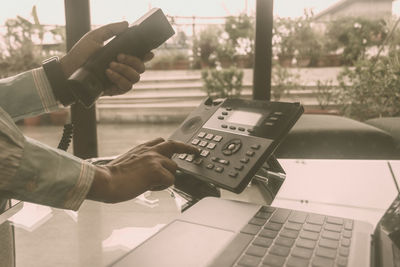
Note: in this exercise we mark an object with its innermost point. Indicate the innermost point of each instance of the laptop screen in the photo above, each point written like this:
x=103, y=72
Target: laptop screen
x=388, y=231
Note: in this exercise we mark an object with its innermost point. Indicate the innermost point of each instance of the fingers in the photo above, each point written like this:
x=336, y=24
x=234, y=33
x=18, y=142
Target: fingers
x=122, y=84
x=171, y=147
x=107, y=31
x=149, y=56
x=154, y=142
x=170, y=165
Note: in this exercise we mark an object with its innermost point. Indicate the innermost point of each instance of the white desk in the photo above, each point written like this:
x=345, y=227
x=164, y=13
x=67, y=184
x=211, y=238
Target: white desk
x=100, y=233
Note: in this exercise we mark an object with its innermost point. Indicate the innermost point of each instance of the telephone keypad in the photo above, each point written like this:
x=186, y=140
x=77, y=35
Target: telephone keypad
x=217, y=138
x=219, y=169
x=219, y=157
x=204, y=153
x=209, y=136
x=244, y=160
x=239, y=168
x=211, y=145
x=203, y=143
x=250, y=153
x=195, y=141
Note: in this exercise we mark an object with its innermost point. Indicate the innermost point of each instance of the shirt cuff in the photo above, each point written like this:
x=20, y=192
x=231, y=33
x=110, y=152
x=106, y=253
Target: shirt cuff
x=78, y=193
x=45, y=91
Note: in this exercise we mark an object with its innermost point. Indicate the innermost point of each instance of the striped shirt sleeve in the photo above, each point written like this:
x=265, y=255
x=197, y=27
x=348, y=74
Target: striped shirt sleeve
x=27, y=94
x=29, y=170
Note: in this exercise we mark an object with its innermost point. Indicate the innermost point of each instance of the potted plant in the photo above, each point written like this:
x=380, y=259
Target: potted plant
x=222, y=83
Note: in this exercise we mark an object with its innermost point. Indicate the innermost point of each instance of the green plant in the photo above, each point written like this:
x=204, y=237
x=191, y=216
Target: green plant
x=282, y=80
x=354, y=36
x=306, y=40
x=371, y=89
x=24, y=46
x=205, y=46
x=222, y=83
x=325, y=93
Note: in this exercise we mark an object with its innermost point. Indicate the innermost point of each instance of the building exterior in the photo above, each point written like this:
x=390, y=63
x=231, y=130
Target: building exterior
x=373, y=9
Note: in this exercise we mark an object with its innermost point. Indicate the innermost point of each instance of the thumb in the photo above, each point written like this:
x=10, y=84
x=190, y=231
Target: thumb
x=105, y=32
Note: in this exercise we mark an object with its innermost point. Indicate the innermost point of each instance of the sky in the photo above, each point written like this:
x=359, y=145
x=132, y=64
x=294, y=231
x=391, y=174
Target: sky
x=106, y=11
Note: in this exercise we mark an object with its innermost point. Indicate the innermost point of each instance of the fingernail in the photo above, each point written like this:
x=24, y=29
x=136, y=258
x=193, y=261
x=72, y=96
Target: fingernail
x=113, y=64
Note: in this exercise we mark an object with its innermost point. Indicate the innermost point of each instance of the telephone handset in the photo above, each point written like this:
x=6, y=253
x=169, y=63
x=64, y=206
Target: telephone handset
x=235, y=136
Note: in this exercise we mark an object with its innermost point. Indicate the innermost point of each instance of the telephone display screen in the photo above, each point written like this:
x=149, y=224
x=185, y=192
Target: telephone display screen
x=244, y=117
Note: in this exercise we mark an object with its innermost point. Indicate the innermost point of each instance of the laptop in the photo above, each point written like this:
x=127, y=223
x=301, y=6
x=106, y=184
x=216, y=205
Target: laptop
x=220, y=232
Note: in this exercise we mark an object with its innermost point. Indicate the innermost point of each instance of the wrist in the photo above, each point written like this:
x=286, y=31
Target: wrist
x=101, y=185
x=56, y=77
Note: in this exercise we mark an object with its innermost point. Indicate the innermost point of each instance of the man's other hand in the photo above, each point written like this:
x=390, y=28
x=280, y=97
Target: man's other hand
x=145, y=167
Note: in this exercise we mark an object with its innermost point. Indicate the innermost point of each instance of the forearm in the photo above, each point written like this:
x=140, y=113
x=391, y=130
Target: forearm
x=27, y=94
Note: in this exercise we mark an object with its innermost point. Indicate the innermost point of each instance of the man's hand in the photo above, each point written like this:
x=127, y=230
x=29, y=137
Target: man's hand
x=123, y=72
x=145, y=167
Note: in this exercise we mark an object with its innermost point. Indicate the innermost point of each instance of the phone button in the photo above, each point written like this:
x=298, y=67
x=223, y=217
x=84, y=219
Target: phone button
x=233, y=174
x=250, y=153
x=203, y=143
x=224, y=126
x=217, y=138
x=182, y=156
x=189, y=158
x=209, y=136
x=244, y=160
x=221, y=117
x=256, y=146
x=239, y=168
x=210, y=166
x=201, y=134
x=223, y=161
x=211, y=145
x=204, y=153
x=195, y=141
x=219, y=169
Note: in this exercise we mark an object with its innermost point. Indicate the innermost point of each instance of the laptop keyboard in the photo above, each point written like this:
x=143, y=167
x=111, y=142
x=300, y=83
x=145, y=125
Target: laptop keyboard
x=281, y=237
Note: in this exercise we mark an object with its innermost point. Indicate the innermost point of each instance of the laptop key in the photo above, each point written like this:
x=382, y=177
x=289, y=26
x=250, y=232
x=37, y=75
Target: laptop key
x=249, y=261
x=327, y=243
x=331, y=235
x=280, y=216
x=344, y=251
x=279, y=250
x=345, y=242
x=333, y=227
x=284, y=241
x=268, y=233
x=312, y=227
x=293, y=226
x=326, y=252
x=257, y=221
x=256, y=251
x=273, y=226
x=297, y=217
x=251, y=229
x=309, y=235
x=341, y=261
x=335, y=220
x=304, y=253
x=322, y=262
x=316, y=219
x=347, y=234
x=348, y=225
x=263, y=242
x=274, y=260
x=263, y=215
x=267, y=209
x=289, y=233
x=304, y=243
x=297, y=262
